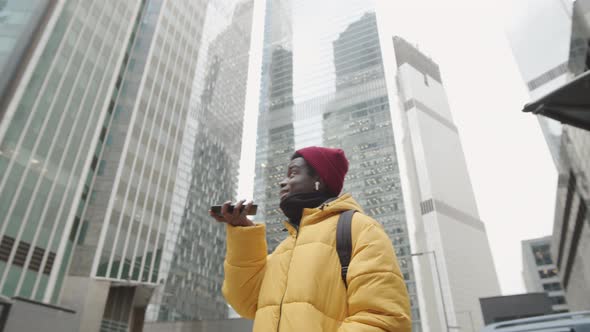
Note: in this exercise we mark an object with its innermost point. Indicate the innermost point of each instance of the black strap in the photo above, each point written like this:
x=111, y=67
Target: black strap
x=344, y=241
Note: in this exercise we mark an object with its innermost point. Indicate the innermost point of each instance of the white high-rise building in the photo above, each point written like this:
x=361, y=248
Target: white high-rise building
x=447, y=222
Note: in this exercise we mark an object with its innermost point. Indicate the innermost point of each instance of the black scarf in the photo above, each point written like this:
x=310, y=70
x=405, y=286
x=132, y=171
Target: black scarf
x=294, y=204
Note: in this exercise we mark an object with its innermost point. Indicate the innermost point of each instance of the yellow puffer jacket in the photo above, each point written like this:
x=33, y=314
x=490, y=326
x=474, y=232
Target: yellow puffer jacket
x=299, y=287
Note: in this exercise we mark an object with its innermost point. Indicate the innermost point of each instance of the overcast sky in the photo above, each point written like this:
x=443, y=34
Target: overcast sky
x=513, y=176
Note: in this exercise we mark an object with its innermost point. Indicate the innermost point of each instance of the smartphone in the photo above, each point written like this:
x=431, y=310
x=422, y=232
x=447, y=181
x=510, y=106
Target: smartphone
x=217, y=209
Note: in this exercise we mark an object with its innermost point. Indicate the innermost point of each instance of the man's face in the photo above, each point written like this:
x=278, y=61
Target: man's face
x=298, y=179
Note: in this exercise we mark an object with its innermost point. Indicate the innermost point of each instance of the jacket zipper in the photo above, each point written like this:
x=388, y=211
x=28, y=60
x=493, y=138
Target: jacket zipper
x=297, y=230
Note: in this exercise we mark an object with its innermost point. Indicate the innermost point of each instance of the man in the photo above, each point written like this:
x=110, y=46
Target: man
x=299, y=286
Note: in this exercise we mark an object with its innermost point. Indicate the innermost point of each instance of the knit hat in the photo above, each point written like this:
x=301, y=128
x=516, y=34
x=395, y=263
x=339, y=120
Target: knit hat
x=330, y=164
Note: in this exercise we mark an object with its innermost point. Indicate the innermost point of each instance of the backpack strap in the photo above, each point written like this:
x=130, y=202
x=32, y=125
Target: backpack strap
x=344, y=241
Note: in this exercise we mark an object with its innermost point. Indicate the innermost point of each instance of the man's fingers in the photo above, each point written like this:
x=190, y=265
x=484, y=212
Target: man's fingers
x=248, y=207
x=235, y=217
x=225, y=211
x=237, y=209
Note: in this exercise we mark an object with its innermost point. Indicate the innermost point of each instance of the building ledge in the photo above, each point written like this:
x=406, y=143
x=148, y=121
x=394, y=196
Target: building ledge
x=568, y=104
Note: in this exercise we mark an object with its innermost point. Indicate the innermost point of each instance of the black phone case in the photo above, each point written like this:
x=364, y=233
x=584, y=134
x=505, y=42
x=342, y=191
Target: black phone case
x=217, y=209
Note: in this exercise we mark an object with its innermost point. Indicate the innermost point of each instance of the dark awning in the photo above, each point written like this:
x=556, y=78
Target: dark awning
x=569, y=104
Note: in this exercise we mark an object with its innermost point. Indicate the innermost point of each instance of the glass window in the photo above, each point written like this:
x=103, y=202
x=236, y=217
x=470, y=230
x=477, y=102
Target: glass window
x=557, y=300
x=6, y=43
x=548, y=273
x=542, y=254
x=101, y=167
x=552, y=286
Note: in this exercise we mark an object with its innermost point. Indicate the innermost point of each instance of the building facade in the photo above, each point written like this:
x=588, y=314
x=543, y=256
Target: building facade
x=350, y=84
x=570, y=244
x=121, y=120
x=450, y=236
x=20, y=23
x=540, y=272
x=69, y=55
x=194, y=275
x=126, y=206
x=275, y=136
x=358, y=120
x=569, y=25
x=571, y=231
x=549, y=70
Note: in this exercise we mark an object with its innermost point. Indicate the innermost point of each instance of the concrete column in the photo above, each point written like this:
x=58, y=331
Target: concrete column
x=88, y=296
x=137, y=319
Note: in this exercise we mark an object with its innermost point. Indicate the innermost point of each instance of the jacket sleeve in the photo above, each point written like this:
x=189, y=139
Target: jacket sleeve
x=244, y=267
x=377, y=295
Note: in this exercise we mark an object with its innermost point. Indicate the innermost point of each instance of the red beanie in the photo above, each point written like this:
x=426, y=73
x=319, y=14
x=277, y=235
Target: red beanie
x=330, y=164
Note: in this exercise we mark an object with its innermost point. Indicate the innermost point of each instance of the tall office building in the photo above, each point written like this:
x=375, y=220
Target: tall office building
x=60, y=62
x=193, y=279
x=126, y=206
x=343, y=103
x=542, y=67
x=571, y=231
x=325, y=82
x=114, y=143
x=540, y=273
x=567, y=27
x=447, y=219
x=358, y=120
x=275, y=137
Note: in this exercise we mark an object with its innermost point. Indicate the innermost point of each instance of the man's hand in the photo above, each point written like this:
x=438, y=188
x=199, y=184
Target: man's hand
x=235, y=218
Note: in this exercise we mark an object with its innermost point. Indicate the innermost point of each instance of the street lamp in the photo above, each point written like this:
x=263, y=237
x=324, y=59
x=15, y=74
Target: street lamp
x=442, y=297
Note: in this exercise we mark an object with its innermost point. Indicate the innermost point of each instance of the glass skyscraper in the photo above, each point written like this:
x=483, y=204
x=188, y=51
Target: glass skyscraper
x=122, y=126
x=128, y=205
x=358, y=120
x=195, y=248
x=342, y=80
x=71, y=54
x=325, y=85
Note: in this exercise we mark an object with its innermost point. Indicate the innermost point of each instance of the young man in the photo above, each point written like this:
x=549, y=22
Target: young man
x=299, y=286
